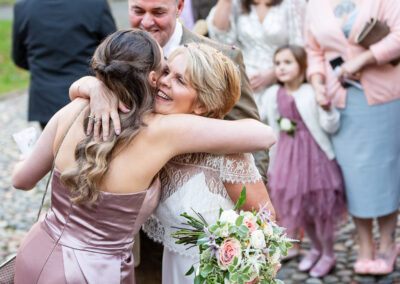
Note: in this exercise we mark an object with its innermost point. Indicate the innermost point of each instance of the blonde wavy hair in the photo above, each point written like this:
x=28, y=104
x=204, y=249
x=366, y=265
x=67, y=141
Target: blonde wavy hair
x=122, y=62
x=213, y=75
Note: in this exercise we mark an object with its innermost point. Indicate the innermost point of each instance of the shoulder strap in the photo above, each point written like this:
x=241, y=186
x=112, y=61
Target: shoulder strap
x=52, y=167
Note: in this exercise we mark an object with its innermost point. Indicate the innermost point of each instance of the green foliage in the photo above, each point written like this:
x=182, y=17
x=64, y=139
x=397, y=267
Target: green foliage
x=7, y=1
x=252, y=260
x=241, y=200
x=11, y=77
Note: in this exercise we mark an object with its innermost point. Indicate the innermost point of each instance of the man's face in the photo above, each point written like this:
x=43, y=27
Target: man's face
x=157, y=17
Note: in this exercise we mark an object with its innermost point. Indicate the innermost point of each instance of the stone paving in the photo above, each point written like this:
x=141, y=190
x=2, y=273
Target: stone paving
x=18, y=209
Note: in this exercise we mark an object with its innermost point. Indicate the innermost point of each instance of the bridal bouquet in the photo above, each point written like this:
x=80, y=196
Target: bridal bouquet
x=243, y=247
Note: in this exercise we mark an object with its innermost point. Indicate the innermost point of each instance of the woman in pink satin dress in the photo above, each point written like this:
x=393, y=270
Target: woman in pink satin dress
x=102, y=191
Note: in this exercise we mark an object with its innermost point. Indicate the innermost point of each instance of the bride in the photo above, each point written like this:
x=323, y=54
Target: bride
x=202, y=81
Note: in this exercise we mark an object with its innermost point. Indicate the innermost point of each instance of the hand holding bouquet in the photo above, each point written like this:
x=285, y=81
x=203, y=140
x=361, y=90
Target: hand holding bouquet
x=239, y=248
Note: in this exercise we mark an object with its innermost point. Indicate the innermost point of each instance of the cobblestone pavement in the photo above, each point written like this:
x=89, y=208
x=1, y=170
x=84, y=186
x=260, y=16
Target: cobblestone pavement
x=18, y=210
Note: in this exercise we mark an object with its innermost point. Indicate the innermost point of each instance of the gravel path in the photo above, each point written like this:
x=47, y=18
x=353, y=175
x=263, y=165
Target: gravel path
x=18, y=209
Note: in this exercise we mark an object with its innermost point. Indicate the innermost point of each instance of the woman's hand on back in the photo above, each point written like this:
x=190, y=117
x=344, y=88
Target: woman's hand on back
x=103, y=105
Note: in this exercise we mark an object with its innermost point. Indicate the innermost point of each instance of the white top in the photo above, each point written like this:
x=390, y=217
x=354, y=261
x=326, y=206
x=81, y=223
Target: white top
x=258, y=41
x=175, y=39
x=320, y=123
x=196, y=181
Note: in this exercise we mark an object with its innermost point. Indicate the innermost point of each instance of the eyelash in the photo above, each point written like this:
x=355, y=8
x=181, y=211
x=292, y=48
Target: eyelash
x=180, y=81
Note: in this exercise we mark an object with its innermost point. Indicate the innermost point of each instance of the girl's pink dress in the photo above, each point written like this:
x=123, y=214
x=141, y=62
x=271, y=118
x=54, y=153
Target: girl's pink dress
x=305, y=185
x=79, y=244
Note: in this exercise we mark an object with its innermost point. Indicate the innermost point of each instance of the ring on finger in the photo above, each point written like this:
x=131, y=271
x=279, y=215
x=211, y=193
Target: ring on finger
x=95, y=120
x=91, y=116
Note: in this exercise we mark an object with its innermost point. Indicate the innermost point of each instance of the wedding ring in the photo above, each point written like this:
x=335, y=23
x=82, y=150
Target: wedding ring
x=90, y=116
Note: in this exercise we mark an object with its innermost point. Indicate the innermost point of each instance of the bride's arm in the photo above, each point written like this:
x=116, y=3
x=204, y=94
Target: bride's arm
x=184, y=133
x=256, y=196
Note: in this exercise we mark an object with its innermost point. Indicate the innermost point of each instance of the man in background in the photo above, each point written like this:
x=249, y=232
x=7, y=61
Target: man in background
x=54, y=40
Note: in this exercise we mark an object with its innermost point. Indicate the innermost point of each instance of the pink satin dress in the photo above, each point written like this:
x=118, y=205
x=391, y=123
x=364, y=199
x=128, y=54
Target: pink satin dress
x=80, y=244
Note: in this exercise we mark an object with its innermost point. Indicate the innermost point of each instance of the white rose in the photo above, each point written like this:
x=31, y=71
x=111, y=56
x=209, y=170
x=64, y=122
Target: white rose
x=257, y=239
x=285, y=124
x=268, y=230
x=224, y=232
x=275, y=258
x=229, y=216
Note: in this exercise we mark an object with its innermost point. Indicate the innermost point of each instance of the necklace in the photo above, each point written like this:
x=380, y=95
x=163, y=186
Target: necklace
x=344, y=7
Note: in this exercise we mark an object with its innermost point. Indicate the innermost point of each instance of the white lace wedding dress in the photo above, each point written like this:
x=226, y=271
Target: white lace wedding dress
x=194, y=181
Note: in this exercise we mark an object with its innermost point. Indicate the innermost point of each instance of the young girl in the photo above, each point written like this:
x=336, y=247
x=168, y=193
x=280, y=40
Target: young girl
x=305, y=179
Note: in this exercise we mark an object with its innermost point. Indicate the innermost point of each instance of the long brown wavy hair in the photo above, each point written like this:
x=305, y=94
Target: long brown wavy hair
x=122, y=62
x=246, y=4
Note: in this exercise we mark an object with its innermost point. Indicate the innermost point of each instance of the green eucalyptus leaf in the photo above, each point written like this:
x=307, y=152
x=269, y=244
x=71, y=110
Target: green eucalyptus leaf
x=239, y=220
x=241, y=200
x=246, y=269
x=213, y=228
x=220, y=212
x=234, y=277
x=232, y=230
x=190, y=271
x=206, y=270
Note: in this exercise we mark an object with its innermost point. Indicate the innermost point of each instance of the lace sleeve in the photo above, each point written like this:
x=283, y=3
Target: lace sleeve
x=239, y=168
x=225, y=36
x=296, y=17
x=154, y=229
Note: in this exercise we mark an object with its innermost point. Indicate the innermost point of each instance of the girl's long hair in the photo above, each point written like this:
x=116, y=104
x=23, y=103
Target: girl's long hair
x=122, y=62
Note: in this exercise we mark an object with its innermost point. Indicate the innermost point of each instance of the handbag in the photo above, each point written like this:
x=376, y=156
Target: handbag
x=372, y=32
x=7, y=267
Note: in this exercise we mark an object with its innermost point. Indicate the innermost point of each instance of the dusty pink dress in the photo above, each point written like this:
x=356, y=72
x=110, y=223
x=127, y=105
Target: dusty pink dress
x=77, y=244
x=305, y=185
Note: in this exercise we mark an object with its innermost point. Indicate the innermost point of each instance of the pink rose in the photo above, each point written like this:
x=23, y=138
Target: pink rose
x=250, y=221
x=229, y=249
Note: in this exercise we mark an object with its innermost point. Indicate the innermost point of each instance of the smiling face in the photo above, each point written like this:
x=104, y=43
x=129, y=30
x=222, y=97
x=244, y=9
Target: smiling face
x=287, y=69
x=175, y=91
x=157, y=17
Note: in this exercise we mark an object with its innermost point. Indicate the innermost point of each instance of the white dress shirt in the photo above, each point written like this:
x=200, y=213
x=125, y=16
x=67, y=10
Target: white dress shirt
x=175, y=39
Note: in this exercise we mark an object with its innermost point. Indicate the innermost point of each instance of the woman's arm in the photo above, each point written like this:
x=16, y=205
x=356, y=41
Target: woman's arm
x=350, y=68
x=103, y=104
x=28, y=172
x=388, y=48
x=222, y=14
x=256, y=196
x=184, y=133
x=221, y=23
x=39, y=162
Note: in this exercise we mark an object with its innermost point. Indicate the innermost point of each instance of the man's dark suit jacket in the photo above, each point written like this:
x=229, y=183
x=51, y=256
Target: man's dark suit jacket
x=201, y=8
x=54, y=40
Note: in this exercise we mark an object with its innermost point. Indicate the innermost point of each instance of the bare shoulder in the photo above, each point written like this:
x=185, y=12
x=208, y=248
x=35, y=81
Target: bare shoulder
x=65, y=116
